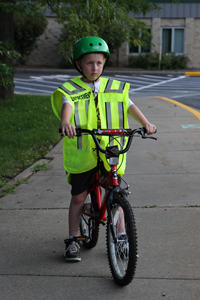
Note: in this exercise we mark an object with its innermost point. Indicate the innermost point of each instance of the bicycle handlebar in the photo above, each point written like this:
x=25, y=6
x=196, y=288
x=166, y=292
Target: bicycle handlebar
x=114, y=132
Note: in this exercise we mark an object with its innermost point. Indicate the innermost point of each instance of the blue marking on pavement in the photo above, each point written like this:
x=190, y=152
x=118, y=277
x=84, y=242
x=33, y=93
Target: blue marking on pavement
x=190, y=126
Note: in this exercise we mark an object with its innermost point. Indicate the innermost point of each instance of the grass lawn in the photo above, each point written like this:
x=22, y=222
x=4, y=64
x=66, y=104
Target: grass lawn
x=28, y=130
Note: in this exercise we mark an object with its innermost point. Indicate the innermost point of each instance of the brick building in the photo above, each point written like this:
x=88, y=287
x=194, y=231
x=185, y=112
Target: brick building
x=175, y=28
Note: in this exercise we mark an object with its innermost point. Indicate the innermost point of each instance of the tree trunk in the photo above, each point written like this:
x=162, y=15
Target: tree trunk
x=6, y=34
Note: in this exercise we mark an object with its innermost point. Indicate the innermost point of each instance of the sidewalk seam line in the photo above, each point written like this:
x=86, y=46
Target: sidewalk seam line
x=87, y=276
x=133, y=207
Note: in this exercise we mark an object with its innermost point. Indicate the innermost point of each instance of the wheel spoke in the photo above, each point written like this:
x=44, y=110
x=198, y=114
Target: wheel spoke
x=122, y=247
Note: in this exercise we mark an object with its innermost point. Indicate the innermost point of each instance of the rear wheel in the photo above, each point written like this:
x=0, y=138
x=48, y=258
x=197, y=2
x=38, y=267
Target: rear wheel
x=89, y=228
x=122, y=247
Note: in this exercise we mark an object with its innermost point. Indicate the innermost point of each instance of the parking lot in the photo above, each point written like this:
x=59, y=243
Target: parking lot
x=184, y=89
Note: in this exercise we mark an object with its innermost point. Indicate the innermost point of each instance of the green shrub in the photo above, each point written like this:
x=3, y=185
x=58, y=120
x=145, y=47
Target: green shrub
x=66, y=64
x=166, y=62
x=138, y=61
x=28, y=26
x=6, y=70
x=179, y=62
x=150, y=61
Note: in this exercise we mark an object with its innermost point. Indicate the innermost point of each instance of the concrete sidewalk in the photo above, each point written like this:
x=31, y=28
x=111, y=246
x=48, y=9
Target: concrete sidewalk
x=164, y=180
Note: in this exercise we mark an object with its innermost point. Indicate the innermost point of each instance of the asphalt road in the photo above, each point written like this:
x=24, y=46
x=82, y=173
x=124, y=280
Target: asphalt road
x=184, y=89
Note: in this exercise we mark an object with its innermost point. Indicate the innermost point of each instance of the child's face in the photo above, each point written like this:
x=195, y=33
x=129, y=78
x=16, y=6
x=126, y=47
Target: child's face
x=92, y=66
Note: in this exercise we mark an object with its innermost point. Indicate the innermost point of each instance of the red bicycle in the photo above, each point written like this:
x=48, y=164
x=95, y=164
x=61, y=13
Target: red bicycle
x=121, y=228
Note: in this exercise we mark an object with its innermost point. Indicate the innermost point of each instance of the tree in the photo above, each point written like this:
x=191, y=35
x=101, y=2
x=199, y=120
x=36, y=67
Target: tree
x=6, y=38
x=80, y=18
x=109, y=19
x=28, y=26
x=7, y=51
x=116, y=32
x=6, y=70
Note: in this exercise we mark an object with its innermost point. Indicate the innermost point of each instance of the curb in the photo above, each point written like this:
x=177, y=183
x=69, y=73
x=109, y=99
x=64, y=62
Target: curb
x=25, y=174
x=192, y=73
x=193, y=111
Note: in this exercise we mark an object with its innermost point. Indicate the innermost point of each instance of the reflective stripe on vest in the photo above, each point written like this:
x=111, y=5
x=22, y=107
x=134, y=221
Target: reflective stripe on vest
x=77, y=90
x=79, y=155
x=109, y=120
x=121, y=121
x=77, y=120
x=120, y=109
x=109, y=90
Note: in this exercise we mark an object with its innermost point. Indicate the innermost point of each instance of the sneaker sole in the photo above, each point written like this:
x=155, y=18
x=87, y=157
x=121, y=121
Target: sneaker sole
x=73, y=259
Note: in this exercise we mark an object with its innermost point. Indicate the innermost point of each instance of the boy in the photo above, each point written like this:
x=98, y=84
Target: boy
x=89, y=101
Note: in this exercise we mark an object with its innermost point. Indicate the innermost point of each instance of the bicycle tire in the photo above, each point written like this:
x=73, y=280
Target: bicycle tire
x=122, y=253
x=92, y=236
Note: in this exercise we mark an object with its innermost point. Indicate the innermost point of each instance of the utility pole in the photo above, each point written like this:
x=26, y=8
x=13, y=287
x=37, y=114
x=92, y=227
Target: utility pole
x=160, y=52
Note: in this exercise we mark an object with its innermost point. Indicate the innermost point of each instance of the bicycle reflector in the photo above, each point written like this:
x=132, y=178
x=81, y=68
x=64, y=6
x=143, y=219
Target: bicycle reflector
x=112, y=153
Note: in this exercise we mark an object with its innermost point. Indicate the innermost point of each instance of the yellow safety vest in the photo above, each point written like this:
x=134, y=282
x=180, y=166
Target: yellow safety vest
x=79, y=153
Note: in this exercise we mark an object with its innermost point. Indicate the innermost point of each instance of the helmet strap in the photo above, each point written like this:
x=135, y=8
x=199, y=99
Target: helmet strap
x=80, y=70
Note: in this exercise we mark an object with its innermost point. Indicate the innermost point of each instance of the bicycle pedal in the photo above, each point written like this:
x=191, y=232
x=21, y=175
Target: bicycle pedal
x=80, y=238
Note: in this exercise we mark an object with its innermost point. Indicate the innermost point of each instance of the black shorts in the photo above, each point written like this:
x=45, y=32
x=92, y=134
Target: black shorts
x=82, y=182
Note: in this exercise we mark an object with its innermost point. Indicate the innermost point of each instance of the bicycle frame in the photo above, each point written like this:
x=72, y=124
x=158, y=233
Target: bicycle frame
x=111, y=176
x=112, y=182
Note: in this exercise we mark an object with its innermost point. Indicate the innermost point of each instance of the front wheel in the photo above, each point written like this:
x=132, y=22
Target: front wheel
x=122, y=241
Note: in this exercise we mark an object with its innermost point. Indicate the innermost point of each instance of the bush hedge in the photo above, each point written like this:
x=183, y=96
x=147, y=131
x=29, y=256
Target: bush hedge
x=150, y=61
x=28, y=26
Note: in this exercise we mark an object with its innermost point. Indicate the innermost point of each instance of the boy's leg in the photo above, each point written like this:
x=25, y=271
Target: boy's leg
x=72, y=252
x=80, y=184
x=75, y=213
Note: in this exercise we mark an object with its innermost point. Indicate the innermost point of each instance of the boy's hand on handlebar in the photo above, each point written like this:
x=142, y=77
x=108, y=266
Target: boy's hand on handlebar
x=150, y=128
x=68, y=129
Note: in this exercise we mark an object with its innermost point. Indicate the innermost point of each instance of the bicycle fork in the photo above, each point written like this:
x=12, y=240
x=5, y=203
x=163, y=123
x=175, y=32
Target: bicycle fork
x=110, y=199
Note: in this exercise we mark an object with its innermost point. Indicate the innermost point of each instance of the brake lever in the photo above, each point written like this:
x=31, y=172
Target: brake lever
x=149, y=137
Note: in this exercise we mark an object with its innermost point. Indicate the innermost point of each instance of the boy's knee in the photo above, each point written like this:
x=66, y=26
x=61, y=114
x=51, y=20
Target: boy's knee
x=79, y=199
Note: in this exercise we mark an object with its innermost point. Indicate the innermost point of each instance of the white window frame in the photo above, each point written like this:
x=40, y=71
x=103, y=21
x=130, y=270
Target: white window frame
x=139, y=47
x=172, y=39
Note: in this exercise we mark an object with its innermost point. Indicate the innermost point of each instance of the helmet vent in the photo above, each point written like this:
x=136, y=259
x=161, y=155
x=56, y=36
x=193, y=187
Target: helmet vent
x=100, y=44
x=91, y=44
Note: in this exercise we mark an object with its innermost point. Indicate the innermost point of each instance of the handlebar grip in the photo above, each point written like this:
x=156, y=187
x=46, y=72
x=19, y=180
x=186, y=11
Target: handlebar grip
x=78, y=131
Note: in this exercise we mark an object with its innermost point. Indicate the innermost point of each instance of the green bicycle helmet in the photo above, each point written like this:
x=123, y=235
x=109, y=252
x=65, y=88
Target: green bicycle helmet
x=90, y=44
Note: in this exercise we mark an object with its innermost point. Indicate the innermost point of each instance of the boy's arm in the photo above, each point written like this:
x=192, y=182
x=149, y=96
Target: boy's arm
x=66, y=127
x=136, y=114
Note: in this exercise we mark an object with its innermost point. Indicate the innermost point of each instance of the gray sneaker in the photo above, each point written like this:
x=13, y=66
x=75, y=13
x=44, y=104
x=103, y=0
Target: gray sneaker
x=72, y=252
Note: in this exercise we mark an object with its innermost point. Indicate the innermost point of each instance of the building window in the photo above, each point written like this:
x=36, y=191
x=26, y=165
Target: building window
x=173, y=40
x=139, y=49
